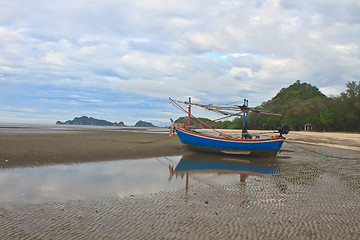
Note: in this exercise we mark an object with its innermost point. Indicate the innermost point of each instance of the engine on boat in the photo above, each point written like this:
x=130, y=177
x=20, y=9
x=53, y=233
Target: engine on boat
x=246, y=135
x=284, y=129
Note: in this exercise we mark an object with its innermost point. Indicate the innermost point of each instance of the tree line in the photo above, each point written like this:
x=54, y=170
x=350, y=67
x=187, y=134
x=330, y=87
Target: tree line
x=300, y=104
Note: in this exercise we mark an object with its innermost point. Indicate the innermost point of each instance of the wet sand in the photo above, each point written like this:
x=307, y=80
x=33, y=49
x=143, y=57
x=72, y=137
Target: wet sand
x=37, y=148
x=315, y=195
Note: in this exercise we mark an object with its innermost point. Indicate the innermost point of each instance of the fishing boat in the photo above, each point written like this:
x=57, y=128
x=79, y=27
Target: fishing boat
x=221, y=142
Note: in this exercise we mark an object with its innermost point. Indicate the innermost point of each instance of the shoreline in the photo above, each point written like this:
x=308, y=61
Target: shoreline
x=32, y=147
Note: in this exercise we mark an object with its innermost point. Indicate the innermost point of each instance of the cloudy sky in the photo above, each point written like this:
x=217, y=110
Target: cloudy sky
x=120, y=60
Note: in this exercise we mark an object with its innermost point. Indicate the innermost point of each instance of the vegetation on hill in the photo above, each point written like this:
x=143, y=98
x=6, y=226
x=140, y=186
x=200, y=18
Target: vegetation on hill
x=196, y=124
x=300, y=104
x=344, y=110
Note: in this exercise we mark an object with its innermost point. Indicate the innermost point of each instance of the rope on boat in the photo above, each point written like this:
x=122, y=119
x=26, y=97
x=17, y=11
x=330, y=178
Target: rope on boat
x=176, y=104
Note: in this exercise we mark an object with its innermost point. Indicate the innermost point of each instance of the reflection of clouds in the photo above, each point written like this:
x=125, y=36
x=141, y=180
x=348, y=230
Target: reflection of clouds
x=65, y=182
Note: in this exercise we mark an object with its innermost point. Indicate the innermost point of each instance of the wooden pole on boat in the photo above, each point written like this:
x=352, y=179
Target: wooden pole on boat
x=224, y=134
x=189, y=112
x=244, y=127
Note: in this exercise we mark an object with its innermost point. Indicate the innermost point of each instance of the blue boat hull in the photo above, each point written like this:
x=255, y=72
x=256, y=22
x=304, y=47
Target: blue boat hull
x=203, y=142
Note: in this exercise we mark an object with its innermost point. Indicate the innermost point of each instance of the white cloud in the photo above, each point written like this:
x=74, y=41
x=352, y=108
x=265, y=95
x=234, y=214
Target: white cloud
x=55, y=58
x=206, y=49
x=19, y=110
x=236, y=71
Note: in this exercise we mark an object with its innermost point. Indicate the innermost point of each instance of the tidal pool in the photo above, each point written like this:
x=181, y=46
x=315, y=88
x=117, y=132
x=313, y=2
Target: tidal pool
x=88, y=180
x=60, y=183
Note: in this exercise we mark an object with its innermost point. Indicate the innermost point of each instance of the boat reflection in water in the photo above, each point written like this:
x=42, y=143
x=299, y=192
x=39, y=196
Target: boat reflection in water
x=219, y=165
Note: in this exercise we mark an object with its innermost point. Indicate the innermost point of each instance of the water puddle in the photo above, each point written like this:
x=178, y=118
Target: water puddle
x=80, y=181
x=122, y=178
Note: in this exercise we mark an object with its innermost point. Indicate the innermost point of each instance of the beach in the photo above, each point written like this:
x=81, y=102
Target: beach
x=37, y=146
x=312, y=192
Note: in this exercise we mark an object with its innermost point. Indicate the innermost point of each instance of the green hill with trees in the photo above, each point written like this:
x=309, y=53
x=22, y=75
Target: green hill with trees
x=300, y=104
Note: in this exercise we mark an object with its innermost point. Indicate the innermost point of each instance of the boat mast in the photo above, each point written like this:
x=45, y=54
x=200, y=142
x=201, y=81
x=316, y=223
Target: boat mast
x=176, y=104
x=245, y=133
x=246, y=102
x=189, y=112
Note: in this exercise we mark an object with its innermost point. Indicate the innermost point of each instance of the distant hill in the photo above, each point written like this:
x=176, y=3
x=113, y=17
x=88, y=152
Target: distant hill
x=302, y=91
x=143, y=124
x=197, y=124
x=298, y=104
x=295, y=94
x=84, y=120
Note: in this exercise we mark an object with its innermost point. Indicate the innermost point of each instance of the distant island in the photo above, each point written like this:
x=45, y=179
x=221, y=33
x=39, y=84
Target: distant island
x=143, y=124
x=84, y=120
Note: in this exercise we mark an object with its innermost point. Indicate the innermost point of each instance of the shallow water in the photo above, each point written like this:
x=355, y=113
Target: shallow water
x=60, y=183
x=87, y=180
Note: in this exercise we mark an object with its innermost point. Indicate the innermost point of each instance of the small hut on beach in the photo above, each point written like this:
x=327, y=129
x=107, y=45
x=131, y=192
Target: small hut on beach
x=307, y=127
